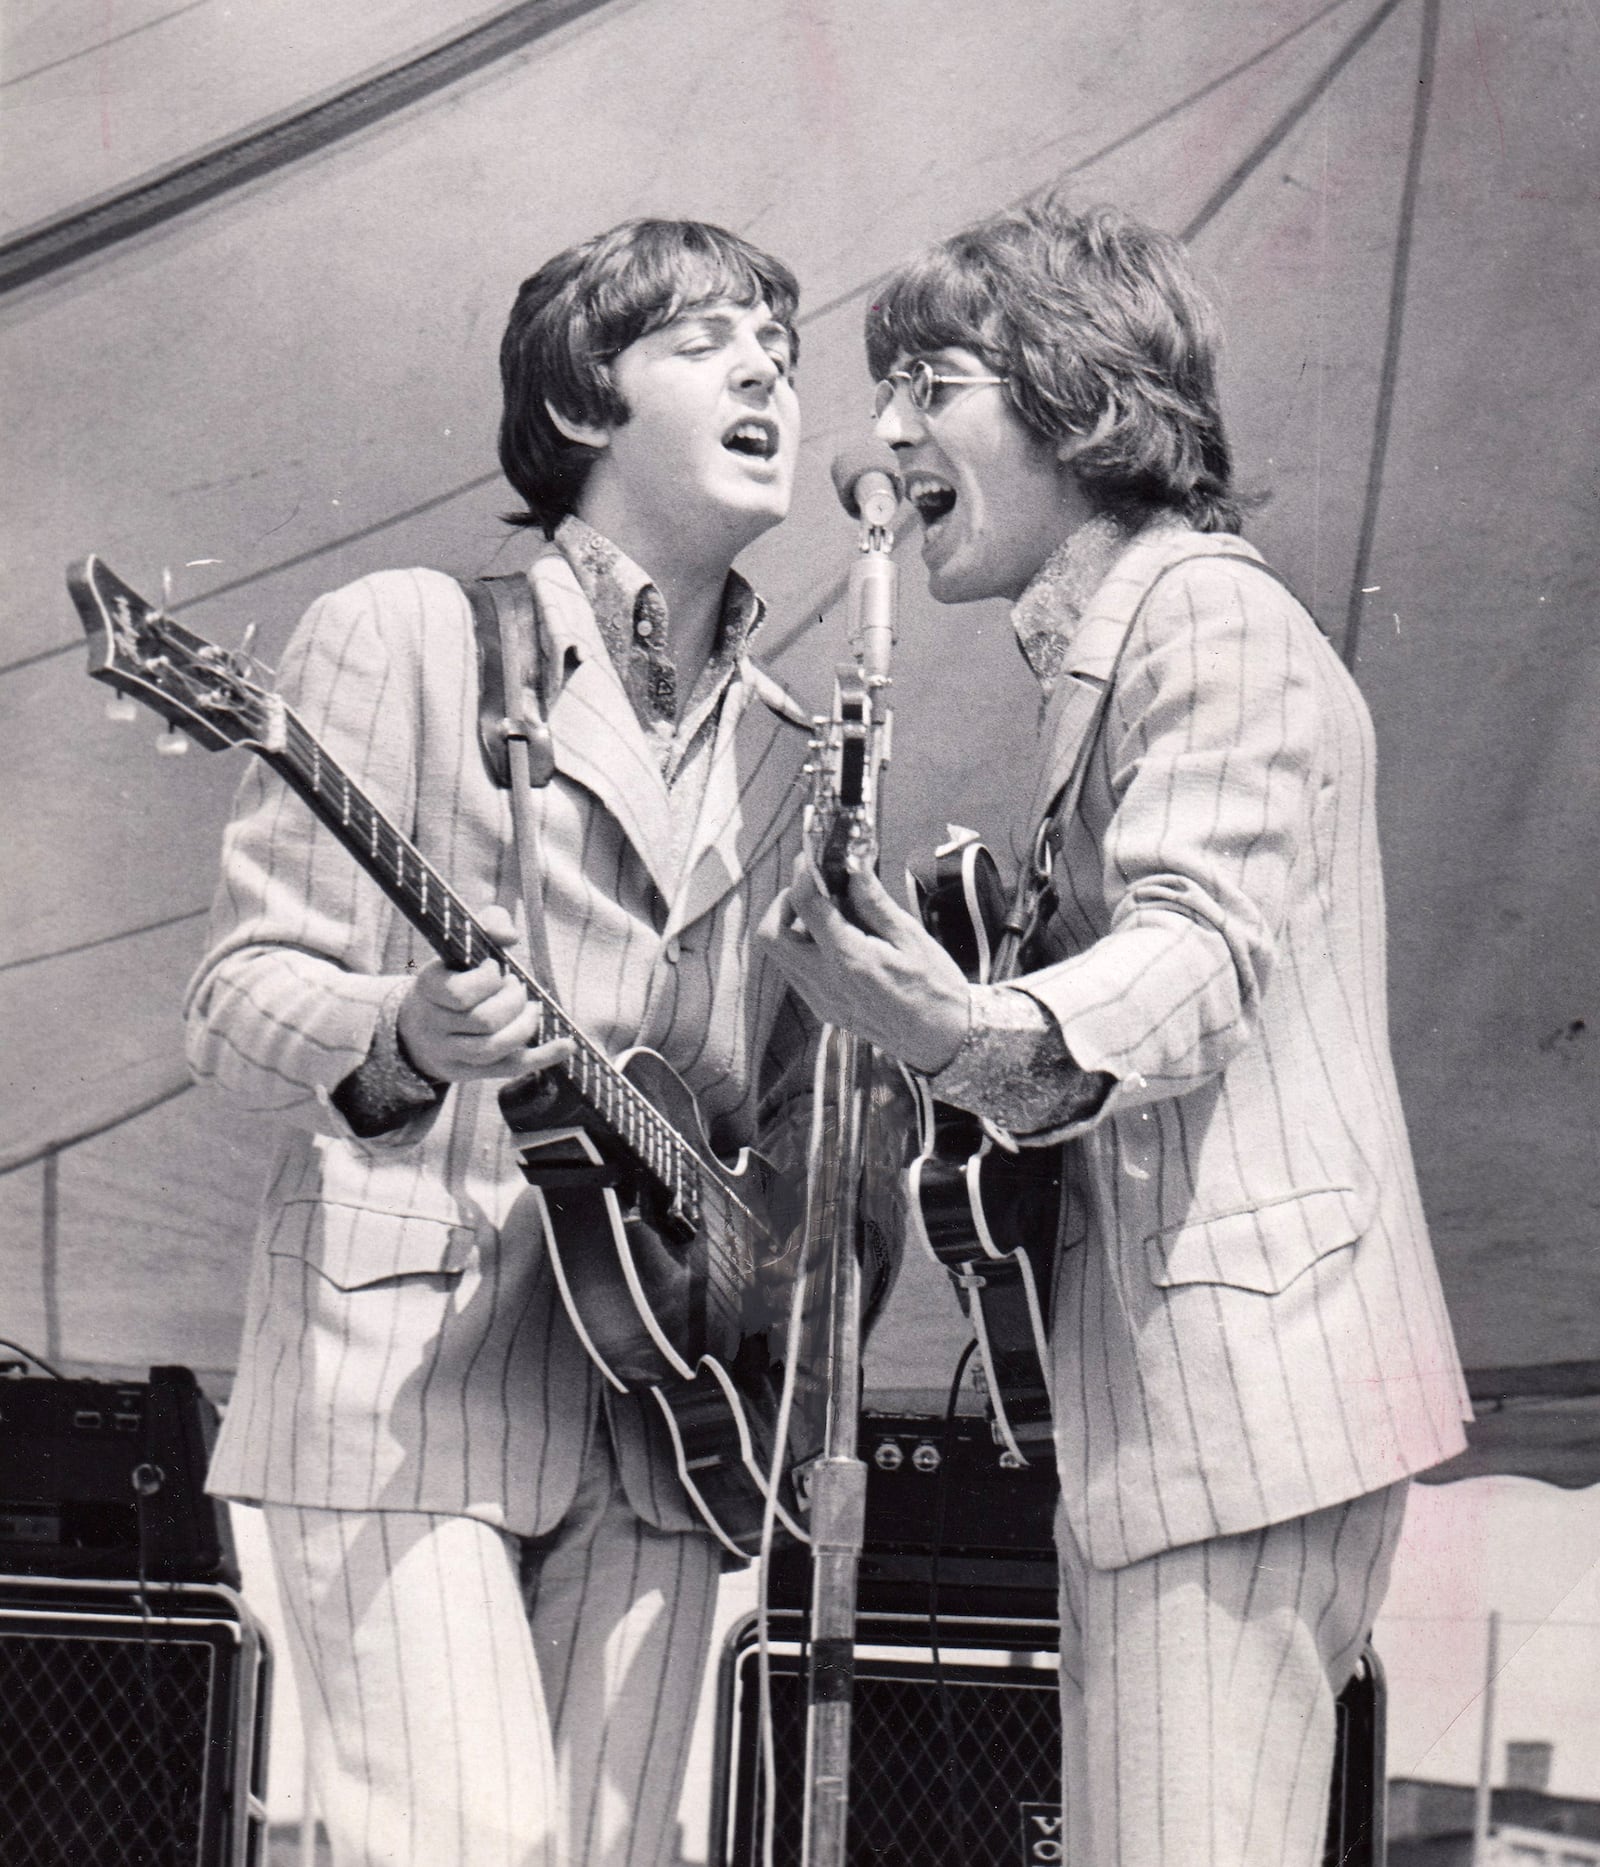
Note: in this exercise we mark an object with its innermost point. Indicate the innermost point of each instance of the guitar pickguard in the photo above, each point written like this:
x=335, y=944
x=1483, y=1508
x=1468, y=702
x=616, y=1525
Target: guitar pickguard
x=989, y=1215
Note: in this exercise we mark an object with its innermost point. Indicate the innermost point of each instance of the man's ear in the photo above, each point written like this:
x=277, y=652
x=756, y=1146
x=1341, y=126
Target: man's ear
x=586, y=434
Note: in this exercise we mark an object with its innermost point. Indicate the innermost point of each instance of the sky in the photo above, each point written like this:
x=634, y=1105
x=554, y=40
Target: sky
x=1532, y=1552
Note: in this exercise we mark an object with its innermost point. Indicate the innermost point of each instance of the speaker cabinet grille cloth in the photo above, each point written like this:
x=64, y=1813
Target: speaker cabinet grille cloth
x=1003, y=1735
x=970, y=1774
x=128, y=1736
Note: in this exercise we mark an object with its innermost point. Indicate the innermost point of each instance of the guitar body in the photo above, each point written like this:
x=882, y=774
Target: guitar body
x=670, y=1262
x=664, y=1309
x=987, y=1214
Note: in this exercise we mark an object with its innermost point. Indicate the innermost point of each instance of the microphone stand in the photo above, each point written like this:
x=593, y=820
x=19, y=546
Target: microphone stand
x=850, y=751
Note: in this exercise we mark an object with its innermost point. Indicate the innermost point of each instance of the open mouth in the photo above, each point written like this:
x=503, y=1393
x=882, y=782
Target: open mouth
x=753, y=437
x=932, y=497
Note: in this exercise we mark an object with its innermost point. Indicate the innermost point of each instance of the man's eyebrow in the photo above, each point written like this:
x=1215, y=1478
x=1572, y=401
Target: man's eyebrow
x=722, y=321
x=709, y=317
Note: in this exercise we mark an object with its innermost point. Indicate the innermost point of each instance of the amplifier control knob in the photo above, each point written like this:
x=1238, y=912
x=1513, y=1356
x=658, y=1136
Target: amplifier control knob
x=927, y=1458
x=888, y=1457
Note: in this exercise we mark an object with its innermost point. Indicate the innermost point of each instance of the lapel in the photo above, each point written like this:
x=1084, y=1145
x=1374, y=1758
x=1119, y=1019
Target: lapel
x=753, y=789
x=596, y=735
x=1074, y=709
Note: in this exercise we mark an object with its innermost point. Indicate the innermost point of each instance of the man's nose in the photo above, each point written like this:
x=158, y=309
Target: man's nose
x=755, y=367
x=899, y=425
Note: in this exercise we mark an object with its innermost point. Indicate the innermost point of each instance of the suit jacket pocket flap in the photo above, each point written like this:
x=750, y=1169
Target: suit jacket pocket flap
x=1264, y=1247
x=352, y=1246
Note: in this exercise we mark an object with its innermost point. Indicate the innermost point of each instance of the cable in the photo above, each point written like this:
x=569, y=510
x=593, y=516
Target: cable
x=952, y=1757
x=147, y=1480
x=37, y=1360
x=767, y=1778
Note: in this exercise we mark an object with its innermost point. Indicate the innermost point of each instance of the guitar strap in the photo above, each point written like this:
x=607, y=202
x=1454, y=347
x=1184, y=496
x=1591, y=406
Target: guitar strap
x=514, y=737
x=1033, y=899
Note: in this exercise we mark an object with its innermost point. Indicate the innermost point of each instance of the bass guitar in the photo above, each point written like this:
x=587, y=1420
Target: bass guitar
x=984, y=1208
x=656, y=1241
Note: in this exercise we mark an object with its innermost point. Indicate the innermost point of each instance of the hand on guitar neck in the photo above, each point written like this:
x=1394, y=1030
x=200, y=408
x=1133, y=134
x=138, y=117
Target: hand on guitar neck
x=873, y=969
x=458, y=1027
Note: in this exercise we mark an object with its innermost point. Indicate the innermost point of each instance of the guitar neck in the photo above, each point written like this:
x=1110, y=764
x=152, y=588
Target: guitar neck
x=659, y=1151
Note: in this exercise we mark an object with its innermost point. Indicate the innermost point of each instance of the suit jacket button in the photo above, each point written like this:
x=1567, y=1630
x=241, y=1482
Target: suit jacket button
x=671, y=951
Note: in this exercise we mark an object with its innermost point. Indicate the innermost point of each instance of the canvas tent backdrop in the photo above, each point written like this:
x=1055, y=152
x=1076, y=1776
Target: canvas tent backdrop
x=253, y=268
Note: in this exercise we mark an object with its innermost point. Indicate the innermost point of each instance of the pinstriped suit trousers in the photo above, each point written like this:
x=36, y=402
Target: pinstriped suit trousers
x=474, y=1700
x=1198, y=1688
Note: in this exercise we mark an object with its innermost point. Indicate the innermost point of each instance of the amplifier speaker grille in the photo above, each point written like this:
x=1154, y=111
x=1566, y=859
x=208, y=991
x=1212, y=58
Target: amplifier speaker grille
x=970, y=1773
x=907, y=1804
x=130, y=1736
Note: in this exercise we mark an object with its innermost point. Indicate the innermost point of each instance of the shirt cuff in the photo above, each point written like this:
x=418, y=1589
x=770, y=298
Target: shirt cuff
x=386, y=1089
x=1014, y=1068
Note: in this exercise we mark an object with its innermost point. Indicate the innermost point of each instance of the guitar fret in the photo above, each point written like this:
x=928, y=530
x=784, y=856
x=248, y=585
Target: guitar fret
x=448, y=926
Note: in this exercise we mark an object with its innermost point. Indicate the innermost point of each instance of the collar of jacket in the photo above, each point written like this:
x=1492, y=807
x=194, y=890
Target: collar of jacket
x=614, y=586
x=600, y=743
x=1092, y=645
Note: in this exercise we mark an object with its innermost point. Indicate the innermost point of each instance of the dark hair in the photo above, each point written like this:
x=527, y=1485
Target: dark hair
x=580, y=311
x=1103, y=333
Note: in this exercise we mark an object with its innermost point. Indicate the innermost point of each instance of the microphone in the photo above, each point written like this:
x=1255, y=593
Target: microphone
x=867, y=482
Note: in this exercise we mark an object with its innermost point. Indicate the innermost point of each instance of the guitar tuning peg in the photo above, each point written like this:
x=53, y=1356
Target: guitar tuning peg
x=120, y=707
x=171, y=743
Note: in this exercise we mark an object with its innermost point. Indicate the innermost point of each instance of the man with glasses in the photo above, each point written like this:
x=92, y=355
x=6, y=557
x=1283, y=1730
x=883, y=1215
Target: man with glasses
x=1250, y=1349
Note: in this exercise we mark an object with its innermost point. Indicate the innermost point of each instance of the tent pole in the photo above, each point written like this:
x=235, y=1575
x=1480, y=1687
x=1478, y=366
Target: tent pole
x=1482, y=1805
x=50, y=1253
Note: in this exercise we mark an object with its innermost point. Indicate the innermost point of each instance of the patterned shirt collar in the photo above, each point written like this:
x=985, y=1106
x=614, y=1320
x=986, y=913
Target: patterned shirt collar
x=631, y=615
x=1046, y=615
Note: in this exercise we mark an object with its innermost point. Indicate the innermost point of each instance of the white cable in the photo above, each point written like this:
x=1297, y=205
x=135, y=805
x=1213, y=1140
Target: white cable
x=767, y=1779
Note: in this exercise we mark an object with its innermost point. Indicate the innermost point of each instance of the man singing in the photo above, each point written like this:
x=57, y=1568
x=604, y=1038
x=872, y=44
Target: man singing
x=498, y=1596
x=1250, y=1348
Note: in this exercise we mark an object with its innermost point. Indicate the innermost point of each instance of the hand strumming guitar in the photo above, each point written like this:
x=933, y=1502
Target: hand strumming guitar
x=877, y=972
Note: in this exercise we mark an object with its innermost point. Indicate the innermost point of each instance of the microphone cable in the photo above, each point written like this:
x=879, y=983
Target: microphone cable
x=28, y=1355
x=941, y=1684
x=767, y=1773
x=147, y=1480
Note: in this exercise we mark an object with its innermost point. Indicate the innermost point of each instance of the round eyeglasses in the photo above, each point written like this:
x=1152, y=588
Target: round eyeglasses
x=923, y=383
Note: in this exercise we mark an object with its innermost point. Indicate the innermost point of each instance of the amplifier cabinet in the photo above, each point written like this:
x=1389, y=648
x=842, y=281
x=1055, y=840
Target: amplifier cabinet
x=107, y=1478
x=949, y=1514
x=132, y=1725
x=959, y=1762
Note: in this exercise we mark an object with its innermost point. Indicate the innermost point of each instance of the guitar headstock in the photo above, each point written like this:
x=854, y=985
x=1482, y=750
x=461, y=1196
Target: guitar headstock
x=842, y=817
x=200, y=689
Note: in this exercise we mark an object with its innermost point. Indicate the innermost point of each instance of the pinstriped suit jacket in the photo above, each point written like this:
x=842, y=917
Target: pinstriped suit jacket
x=1248, y=1321
x=404, y=1345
